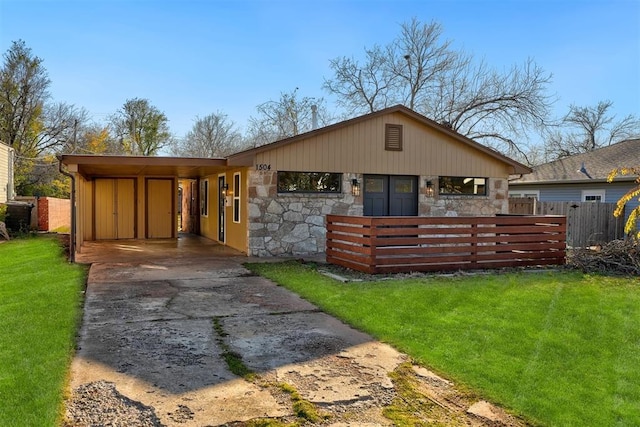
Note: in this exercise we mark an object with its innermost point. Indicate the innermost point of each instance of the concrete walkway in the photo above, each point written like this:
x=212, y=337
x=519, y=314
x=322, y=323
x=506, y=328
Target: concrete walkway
x=149, y=327
x=161, y=316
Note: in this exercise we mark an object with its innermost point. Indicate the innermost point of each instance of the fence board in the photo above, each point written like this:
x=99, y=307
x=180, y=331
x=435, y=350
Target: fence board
x=385, y=244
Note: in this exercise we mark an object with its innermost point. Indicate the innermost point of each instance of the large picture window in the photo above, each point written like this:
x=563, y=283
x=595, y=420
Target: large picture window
x=309, y=182
x=458, y=185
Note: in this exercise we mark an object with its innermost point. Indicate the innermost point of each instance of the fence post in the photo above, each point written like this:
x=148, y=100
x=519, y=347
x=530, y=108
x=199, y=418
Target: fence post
x=474, y=245
x=373, y=235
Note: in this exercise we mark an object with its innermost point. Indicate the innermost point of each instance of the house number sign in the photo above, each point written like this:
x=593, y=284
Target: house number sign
x=263, y=167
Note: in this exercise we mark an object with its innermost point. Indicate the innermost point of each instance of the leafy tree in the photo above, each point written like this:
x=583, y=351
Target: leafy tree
x=420, y=70
x=631, y=227
x=286, y=117
x=211, y=136
x=141, y=128
x=96, y=139
x=23, y=92
x=34, y=127
x=585, y=129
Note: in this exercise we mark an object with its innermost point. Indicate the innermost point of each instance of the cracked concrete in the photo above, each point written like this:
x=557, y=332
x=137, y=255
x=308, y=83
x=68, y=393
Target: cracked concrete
x=148, y=329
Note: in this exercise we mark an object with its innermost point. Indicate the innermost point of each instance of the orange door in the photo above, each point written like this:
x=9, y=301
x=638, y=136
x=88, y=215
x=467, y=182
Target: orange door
x=114, y=209
x=160, y=212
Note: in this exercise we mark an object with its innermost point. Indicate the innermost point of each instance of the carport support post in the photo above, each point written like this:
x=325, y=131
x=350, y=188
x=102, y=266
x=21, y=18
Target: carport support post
x=72, y=231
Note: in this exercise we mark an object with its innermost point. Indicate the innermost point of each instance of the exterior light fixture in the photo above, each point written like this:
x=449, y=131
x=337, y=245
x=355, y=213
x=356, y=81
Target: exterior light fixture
x=429, y=186
x=355, y=187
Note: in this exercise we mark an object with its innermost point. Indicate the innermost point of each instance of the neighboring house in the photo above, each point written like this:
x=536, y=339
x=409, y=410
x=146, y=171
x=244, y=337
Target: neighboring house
x=6, y=173
x=582, y=177
x=272, y=200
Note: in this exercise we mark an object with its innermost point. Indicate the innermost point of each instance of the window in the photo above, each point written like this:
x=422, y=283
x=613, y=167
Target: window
x=236, y=197
x=309, y=182
x=593, y=195
x=535, y=194
x=393, y=137
x=456, y=185
x=204, y=197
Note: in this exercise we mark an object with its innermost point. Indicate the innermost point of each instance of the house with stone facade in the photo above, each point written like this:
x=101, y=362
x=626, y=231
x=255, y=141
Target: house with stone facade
x=272, y=200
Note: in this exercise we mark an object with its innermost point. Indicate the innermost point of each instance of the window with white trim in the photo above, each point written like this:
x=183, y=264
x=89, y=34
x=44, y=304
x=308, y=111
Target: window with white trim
x=204, y=197
x=593, y=195
x=236, y=197
x=526, y=193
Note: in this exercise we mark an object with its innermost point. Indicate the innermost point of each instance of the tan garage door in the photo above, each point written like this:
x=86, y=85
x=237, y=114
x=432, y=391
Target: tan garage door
x=114, y=209
x=160, y=214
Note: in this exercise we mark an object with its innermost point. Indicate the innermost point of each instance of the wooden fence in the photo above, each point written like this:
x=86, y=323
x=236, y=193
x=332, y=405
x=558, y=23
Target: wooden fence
x=588, y=223
x=403, y=244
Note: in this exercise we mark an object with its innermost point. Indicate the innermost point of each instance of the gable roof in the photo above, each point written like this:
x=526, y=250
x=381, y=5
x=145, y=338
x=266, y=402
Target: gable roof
x=246, y=157
x=593, y=166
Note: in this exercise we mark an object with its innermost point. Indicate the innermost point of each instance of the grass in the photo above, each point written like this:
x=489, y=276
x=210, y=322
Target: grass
x=40, y=306
x=233, y=360
x=558, y=348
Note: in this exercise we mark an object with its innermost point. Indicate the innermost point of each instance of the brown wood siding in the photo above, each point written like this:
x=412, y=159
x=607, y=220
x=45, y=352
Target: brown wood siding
x=360, y=149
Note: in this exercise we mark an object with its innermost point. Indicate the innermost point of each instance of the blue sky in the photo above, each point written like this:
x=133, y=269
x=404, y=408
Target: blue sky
x=194, y=57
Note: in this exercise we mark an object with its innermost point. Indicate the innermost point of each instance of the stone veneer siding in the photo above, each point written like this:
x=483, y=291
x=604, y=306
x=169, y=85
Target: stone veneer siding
x=495, y=202
x=294, y=223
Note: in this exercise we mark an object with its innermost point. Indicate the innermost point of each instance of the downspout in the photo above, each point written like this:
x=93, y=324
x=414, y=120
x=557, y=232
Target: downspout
x=72, y=236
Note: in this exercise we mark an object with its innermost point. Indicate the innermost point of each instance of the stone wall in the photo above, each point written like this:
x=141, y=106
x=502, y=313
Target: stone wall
x=291, y=223
x=495, y=202
x=294, y=224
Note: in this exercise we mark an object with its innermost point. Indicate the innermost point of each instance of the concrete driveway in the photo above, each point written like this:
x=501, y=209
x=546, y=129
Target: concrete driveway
x=160, y=317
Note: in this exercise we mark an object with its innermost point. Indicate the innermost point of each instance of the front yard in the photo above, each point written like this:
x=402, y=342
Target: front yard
x=40, y=296
x=557, y=348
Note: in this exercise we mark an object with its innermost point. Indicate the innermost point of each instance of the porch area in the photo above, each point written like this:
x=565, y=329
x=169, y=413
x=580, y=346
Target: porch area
x=376, y=245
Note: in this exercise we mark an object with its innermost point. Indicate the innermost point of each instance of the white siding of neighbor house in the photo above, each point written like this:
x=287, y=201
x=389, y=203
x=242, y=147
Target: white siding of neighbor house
x=6, y=173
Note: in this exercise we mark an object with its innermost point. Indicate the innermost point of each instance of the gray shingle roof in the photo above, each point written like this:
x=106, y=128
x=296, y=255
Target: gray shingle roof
x=597, y=164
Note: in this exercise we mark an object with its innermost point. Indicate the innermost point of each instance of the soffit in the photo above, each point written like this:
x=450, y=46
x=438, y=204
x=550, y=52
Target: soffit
x=182, y=167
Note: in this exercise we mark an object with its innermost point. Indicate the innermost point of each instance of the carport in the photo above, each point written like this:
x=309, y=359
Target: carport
x=128, y=197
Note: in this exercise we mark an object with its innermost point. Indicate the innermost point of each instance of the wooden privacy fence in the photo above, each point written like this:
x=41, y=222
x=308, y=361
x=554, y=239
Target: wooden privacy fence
x=403, y=244
x=588, y=223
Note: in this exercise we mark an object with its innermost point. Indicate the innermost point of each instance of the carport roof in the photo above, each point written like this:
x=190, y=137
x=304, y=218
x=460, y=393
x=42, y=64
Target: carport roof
x=91, y=166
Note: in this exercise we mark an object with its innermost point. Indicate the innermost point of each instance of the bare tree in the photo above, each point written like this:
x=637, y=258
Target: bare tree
x=416, y=58
x=420, y=70
x=211, y=136
x=585, y=129
x=286, y=117
x=141, y=128
x=361, y=88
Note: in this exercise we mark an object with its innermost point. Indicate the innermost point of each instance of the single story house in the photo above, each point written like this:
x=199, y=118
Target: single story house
x=272, y=200
x=582, y=177
x=6, y=173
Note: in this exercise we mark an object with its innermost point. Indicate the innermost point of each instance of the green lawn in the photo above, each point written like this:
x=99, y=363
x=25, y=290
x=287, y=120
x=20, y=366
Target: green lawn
x=40, y=305
x=558, y=348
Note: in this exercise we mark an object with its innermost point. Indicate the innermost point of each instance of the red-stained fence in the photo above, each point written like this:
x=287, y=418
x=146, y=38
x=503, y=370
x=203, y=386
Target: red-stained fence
x=404, y=244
